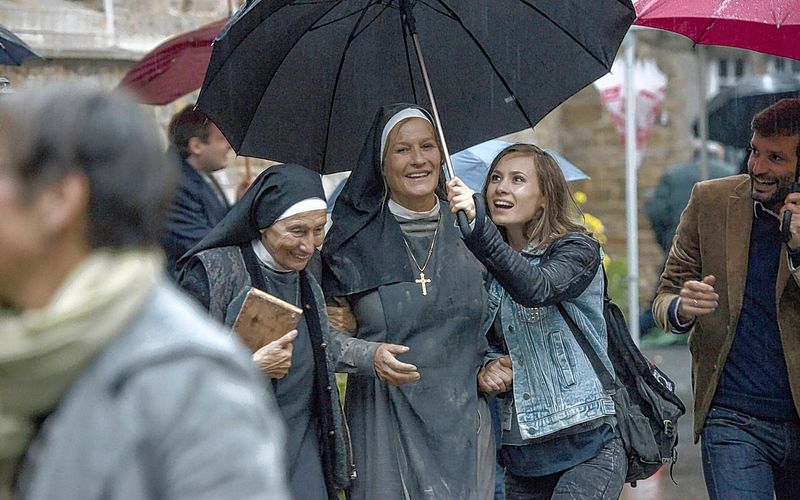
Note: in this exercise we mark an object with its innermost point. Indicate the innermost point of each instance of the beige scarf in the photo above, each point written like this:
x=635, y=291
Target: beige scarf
x=42, y=351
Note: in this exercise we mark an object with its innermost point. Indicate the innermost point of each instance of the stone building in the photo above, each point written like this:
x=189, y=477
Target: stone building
x=101, y=39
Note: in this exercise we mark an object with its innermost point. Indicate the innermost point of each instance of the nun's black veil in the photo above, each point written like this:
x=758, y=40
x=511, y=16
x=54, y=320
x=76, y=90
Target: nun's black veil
x=274, y=190
x=364, y=248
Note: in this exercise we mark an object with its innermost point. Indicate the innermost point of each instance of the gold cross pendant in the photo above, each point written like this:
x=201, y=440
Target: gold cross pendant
x=422, y=281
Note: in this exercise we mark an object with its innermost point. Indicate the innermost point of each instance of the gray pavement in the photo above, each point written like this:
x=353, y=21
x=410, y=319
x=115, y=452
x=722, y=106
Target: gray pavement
x=687, y=472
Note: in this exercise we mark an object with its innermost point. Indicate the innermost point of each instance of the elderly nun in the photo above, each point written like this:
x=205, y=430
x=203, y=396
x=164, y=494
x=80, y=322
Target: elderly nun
x=267, y=241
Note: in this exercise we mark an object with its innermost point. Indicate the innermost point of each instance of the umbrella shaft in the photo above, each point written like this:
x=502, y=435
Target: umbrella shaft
x=434, y=110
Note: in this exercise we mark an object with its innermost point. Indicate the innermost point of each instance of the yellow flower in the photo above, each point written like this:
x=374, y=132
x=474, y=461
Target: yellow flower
x=596, y=227
x=592, y=223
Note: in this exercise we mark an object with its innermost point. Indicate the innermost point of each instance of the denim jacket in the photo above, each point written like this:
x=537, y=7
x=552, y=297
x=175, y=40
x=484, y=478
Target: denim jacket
x=555, y=386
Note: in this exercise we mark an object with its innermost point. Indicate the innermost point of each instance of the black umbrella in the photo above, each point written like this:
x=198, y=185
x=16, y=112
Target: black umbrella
x=732, y=109
x=300, y=80
x=14, y=51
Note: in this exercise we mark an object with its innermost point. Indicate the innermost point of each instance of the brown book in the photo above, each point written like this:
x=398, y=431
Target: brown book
x=264, y=318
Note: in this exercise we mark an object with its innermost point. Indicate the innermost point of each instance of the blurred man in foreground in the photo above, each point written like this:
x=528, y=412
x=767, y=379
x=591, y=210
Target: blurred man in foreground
x=112, y=384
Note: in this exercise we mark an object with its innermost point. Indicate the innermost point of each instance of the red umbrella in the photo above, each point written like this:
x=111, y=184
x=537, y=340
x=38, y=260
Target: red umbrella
x=768, y=26
x=174, y=68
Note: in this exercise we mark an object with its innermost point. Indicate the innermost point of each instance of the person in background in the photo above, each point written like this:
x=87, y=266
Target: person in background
x=734, y=283
x=669, y=198
x=267, y=241
x=420, y=428
x=559, y=432
x=200, y=203
x=113, y=384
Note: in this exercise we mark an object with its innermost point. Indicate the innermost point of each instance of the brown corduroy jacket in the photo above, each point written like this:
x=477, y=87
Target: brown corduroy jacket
x=713, y=238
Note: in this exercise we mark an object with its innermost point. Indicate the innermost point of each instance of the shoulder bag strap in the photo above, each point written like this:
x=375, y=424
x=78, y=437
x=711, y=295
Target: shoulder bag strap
x=606, y=378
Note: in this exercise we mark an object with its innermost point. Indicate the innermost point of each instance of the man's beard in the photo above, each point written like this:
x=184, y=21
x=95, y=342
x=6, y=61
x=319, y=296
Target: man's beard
x=777, y=198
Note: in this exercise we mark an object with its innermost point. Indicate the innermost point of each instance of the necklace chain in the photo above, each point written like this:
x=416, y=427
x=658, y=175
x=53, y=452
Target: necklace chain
x=430, y=250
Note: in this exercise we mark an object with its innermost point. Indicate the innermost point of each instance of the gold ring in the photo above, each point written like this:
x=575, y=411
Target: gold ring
x=694, y=301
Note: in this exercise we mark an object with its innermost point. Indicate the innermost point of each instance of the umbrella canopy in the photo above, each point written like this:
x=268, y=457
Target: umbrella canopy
x=472, y=164
x=13, y=51
x=300, y=81
x=771, y=27
x=732, y=108
x=174, y=68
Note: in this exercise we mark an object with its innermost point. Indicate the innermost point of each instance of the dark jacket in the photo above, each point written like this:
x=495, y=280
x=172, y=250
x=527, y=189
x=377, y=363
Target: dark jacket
x=194, y=212
x=672, y=194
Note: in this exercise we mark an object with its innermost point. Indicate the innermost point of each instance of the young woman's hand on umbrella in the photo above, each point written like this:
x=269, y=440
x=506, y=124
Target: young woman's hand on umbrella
x=390, y=369
x=460, y=197
x=275, y=358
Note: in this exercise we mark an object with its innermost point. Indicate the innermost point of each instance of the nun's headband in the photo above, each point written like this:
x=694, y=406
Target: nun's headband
x=397, y=118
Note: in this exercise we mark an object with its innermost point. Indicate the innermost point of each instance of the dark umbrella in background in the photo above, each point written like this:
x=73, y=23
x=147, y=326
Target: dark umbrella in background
x=732, y=108
x=13, y=51
x=299, y=80
x=174, y=68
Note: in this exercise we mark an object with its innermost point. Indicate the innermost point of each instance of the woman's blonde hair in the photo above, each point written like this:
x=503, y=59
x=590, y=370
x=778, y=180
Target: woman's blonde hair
x=560, y=214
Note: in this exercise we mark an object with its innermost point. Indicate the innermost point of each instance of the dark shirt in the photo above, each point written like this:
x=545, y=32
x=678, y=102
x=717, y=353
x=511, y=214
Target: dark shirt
x=754, y=379
x=557, y=454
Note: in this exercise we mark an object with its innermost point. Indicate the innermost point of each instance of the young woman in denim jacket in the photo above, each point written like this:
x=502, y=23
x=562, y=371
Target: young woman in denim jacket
x=559, y=431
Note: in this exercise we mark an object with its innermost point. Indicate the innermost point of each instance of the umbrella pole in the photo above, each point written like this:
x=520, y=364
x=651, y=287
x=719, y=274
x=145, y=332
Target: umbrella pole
x=463, y=223
x=703, y=119
x=439, y=132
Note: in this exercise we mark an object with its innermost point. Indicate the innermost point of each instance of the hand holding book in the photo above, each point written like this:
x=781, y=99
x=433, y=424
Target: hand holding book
x=264, y=318
x=275, y=358
x=267, y=325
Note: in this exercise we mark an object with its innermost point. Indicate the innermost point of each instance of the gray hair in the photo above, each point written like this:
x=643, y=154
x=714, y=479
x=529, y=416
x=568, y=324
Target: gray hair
x=65, y=129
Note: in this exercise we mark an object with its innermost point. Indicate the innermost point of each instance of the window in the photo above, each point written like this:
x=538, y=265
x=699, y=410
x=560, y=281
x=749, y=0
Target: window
x=782, y=65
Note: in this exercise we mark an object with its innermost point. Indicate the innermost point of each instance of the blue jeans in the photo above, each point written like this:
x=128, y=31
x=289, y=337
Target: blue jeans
x=748, y=458
x=600, y=477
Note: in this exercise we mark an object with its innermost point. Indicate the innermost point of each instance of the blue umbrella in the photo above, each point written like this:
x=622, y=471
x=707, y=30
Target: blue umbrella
x=472, y=164
x=14, y=51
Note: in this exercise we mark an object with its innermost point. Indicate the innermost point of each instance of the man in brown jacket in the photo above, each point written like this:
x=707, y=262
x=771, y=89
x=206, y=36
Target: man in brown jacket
x=733, y=282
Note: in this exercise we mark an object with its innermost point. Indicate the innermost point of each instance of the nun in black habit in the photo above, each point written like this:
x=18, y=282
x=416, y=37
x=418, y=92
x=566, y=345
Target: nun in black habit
x=267, y=241
x=419, y=428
